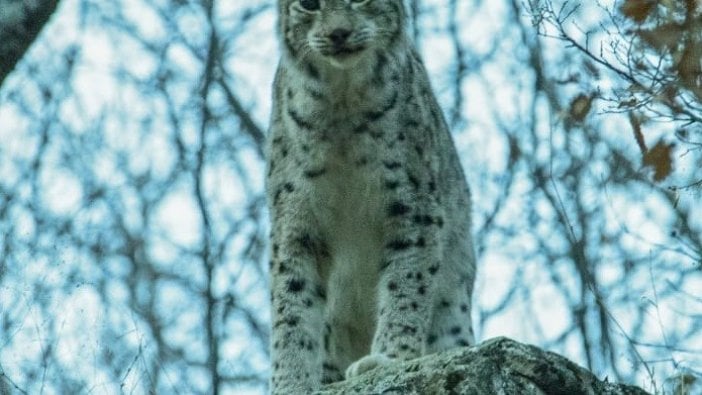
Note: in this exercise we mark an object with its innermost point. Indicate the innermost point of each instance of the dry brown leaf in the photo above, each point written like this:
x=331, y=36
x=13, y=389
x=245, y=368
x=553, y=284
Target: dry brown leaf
x=580, y=107
x=630, y=102
x=659, y=158
x=637, y=10
x=663, y=36
x=638, y=135
x=690, y=65
x=691, y=6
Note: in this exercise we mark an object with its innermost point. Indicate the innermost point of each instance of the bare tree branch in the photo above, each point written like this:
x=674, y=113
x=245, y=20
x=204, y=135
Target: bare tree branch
x=20, y=24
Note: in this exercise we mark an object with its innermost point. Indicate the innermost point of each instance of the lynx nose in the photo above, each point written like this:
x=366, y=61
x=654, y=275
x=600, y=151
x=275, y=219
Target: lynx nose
x=338, y=36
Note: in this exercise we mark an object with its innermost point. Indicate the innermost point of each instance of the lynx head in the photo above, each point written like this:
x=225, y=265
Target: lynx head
x=339, y=32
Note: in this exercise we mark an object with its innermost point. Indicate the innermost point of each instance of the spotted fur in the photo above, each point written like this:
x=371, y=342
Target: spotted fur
x=372, y=257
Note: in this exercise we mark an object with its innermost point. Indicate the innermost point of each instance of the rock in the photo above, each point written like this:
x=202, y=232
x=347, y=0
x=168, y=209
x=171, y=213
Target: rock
x=496, y=366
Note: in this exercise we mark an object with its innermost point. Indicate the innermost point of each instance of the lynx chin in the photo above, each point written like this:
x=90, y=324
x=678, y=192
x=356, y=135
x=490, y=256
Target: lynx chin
x=372, y=257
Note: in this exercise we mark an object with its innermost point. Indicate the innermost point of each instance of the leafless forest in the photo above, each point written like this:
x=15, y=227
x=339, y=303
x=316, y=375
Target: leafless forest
x=133, y=224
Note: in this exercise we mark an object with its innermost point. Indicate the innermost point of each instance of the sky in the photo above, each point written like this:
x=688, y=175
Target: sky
x=84, y=319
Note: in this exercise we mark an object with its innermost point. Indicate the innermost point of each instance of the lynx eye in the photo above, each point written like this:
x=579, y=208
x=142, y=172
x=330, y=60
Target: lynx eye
x=310, y=5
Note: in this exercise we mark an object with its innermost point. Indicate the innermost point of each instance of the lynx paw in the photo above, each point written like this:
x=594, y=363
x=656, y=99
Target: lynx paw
x=367, y=363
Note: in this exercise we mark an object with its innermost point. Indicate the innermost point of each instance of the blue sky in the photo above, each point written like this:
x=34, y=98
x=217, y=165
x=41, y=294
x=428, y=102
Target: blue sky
x=108, y=119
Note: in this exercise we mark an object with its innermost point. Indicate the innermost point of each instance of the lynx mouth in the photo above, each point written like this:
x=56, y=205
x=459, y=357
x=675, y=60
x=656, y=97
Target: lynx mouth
x=342, y=52
x=343, y=56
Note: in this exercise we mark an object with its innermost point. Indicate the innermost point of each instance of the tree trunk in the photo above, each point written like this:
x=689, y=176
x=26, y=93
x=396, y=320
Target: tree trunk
x=20, y=24
x=497, y=366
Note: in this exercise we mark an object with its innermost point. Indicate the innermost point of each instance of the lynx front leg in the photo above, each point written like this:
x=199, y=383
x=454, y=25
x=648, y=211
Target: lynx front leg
x=406, y=284
x=298, y=302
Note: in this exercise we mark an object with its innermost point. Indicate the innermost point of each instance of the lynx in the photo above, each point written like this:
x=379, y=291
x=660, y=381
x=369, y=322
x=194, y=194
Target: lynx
x=371, y=252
